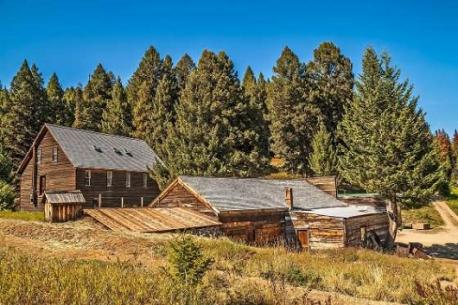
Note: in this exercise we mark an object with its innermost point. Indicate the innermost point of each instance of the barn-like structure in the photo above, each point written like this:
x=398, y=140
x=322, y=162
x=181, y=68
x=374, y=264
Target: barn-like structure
x=295, y=212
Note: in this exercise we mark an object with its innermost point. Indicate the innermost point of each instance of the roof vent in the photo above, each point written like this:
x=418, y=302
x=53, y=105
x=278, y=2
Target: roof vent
x=117, y=151
x=98, y=149
x=128, y=153
x=289, y=197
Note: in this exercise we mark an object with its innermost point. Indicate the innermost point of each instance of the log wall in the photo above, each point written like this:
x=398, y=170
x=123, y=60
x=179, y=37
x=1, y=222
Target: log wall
x=377, y=223
x=324, y=231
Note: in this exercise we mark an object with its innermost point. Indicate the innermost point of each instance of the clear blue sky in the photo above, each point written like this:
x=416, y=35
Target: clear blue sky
x=71, y=37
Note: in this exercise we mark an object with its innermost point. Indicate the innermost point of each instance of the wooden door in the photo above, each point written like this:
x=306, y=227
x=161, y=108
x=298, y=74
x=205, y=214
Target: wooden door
x=303, y=236
x=42, y=185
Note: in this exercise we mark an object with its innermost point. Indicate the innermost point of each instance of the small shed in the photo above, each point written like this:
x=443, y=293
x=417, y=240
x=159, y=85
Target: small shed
x=63, y=206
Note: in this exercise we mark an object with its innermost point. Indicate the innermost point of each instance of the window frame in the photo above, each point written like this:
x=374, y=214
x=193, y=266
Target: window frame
x=109, y=178
x=39, y=155
x=145, y=180
x=128, y=180
x=54, y=153
x=87, y=178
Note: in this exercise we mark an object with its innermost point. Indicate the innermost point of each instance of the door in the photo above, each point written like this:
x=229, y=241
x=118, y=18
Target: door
x=303, y=237
x=42, y=185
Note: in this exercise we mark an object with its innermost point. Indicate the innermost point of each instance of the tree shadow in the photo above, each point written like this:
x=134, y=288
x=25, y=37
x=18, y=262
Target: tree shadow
x=449, y=250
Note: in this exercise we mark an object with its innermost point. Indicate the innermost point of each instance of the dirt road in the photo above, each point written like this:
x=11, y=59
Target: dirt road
x=440, y=242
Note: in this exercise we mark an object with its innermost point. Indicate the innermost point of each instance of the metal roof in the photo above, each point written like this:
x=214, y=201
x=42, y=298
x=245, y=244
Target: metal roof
x=349, y=211
x=229, y=194
x=64, y=197
x=90, y=149
x=150, y=220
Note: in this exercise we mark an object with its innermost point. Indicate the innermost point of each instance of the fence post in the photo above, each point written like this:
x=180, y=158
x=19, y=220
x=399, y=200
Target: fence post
x=141, y=202
x=100, y=200
x=122, y=202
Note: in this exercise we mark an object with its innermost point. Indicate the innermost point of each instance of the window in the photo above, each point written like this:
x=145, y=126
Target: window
x=145, y=180
x=87, y=178
x=42, y=187
x=54, y=154
x=38, y=155
x=109, y=178
x=127, y=179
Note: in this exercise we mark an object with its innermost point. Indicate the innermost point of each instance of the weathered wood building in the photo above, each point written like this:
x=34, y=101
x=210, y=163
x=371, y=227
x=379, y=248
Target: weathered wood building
x=294, y=212
x=108, y=170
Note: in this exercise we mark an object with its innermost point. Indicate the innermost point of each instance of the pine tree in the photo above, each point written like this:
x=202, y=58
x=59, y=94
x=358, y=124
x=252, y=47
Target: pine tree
x=149, y=71
x=116, y=117
x=163, y=109
x=331, y=80
x=60, y=109
x=74, y=99
x=25, y=113
x=444, y=146
x=43, y=112
x=208, y=129
x=293, y=118
x=182, y=70
x=141, y=112
x=323, y=159
x=455, y=157
x=254, y=125
x=387, y=145
x=96, y=94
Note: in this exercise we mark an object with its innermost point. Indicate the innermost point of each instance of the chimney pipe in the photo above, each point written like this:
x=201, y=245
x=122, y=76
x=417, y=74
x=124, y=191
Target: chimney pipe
x=289, y=197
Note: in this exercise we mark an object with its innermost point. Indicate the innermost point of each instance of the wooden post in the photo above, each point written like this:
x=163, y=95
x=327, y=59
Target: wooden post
x=122, y=202
x=100, y=200
x=141, y=202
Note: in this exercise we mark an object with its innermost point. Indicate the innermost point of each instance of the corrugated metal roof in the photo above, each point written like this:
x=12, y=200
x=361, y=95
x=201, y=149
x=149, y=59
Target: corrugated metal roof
x=90, y=149
x=349, y=211
x=228, y=194
x=64, y=197
x=150, y=220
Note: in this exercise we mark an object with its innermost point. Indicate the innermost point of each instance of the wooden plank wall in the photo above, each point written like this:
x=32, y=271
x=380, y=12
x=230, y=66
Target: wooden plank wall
x=377, y=223
x=60, y=176
x=111, y=196
x=325, y=231
x=326, y=184
x=178, y=196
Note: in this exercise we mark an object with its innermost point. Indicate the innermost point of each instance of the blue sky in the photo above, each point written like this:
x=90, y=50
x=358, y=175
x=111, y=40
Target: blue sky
x=72, y=37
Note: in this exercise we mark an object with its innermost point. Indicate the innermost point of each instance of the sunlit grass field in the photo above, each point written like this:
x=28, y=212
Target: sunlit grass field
x=21, y=215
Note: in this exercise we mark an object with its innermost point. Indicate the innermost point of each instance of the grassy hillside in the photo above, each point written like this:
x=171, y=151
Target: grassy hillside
x=427, y=214
x=239, y=274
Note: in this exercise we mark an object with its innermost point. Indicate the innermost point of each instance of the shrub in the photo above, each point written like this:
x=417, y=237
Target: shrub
x=7, y=195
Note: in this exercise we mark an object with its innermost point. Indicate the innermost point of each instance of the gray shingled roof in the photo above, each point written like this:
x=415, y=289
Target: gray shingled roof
x=227, y=194
x=64, y=197
x=80, y=147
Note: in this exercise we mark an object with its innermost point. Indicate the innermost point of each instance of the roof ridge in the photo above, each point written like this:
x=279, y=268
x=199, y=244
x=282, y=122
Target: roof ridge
x=92, y=131
x=245, y=178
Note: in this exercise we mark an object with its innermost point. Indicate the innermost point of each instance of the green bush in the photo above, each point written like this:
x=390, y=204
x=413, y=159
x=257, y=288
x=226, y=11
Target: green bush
x=7, y=195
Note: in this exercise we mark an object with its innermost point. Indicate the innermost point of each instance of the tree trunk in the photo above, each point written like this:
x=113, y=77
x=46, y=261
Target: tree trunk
x=394, y=218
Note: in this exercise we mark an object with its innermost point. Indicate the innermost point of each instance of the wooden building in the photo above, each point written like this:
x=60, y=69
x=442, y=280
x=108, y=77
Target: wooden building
x=63, y=206
x=108, y=170
x=294, y=212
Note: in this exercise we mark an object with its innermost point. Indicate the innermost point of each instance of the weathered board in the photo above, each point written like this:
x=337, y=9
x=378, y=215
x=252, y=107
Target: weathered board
x=150, y=220
x=327, y=184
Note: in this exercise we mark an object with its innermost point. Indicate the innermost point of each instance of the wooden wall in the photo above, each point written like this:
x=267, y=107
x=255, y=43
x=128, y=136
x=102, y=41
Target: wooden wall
x=179, y=196
x=377, y=223
x=60, y=176
x=323, y=231
x=111, y=196
x=327, y=184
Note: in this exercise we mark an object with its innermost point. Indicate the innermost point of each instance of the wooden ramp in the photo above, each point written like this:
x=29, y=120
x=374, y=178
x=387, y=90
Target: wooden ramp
x=150, y=220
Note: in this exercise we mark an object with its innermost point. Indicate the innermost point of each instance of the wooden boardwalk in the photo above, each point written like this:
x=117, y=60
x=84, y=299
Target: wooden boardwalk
x=150, y=220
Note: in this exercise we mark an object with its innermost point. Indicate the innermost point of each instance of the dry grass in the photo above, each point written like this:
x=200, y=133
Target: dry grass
x=125, y=266
x=452, y=200
x=426, y=214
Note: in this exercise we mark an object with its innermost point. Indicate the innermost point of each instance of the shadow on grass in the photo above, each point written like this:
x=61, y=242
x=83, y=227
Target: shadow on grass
x=449, y=250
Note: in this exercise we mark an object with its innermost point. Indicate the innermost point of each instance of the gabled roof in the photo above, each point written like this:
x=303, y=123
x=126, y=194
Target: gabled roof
x=64, y=197
x=235, y=194
x=90, y=149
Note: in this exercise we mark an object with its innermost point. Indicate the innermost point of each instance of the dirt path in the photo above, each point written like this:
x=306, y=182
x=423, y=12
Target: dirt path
x=440, y=242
